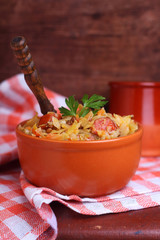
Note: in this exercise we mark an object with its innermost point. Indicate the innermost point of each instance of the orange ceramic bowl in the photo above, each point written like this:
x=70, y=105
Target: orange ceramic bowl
x=142, y=99
x=84, y=168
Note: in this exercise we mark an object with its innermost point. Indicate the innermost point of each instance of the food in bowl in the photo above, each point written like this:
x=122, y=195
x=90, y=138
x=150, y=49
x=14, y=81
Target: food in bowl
x=101, y=164
x=83, y=122
x=83, y=168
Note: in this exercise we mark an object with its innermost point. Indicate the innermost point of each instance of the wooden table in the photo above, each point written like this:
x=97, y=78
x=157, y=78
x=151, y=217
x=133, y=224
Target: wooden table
x=141, y=224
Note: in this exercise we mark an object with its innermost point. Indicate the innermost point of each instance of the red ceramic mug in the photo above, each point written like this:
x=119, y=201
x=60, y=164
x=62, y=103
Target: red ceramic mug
x=142, y=99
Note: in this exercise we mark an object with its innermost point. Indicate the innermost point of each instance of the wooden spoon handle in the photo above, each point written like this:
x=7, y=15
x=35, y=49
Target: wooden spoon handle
x=23, y=55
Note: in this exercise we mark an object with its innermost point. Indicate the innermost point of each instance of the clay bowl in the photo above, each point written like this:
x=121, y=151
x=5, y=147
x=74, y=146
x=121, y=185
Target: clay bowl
x=84, y=168
x=142, y=99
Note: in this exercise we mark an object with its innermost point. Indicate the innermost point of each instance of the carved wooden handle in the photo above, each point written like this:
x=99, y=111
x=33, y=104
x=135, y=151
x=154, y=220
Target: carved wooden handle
x=23, y=55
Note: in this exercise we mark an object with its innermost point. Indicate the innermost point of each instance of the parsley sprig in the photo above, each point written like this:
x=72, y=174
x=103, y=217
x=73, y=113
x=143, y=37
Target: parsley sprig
x=72, y=105
x=94, y=103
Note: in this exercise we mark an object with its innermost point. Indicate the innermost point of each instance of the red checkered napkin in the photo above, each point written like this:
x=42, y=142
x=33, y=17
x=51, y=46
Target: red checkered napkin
x=17, y=104
x=18, y=218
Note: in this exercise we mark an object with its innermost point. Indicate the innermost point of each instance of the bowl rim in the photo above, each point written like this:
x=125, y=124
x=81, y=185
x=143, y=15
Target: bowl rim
x=146, y=84
x=76, y=142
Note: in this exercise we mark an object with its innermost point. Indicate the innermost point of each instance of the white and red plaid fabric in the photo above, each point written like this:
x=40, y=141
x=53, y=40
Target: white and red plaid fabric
x=17, y=103
x=25, y=212
x=18, y=218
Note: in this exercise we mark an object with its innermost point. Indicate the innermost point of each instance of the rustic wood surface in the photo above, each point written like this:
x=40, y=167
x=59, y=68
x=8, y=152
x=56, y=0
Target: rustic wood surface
x=79, y=45
x=132, y=225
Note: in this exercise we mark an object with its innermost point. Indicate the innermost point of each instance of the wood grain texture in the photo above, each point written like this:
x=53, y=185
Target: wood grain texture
x=79, y=45
x=133, y=225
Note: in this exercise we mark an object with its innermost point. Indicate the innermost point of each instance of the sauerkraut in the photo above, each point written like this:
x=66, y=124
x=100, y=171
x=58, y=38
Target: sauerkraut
x=93, y=126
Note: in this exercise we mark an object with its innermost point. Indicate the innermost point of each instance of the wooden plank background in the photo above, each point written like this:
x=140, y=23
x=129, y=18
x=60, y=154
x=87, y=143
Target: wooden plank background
x=79, y=46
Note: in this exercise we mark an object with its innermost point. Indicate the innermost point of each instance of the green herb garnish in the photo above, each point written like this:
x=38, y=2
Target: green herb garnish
x=94, y=103
x=72, y=105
